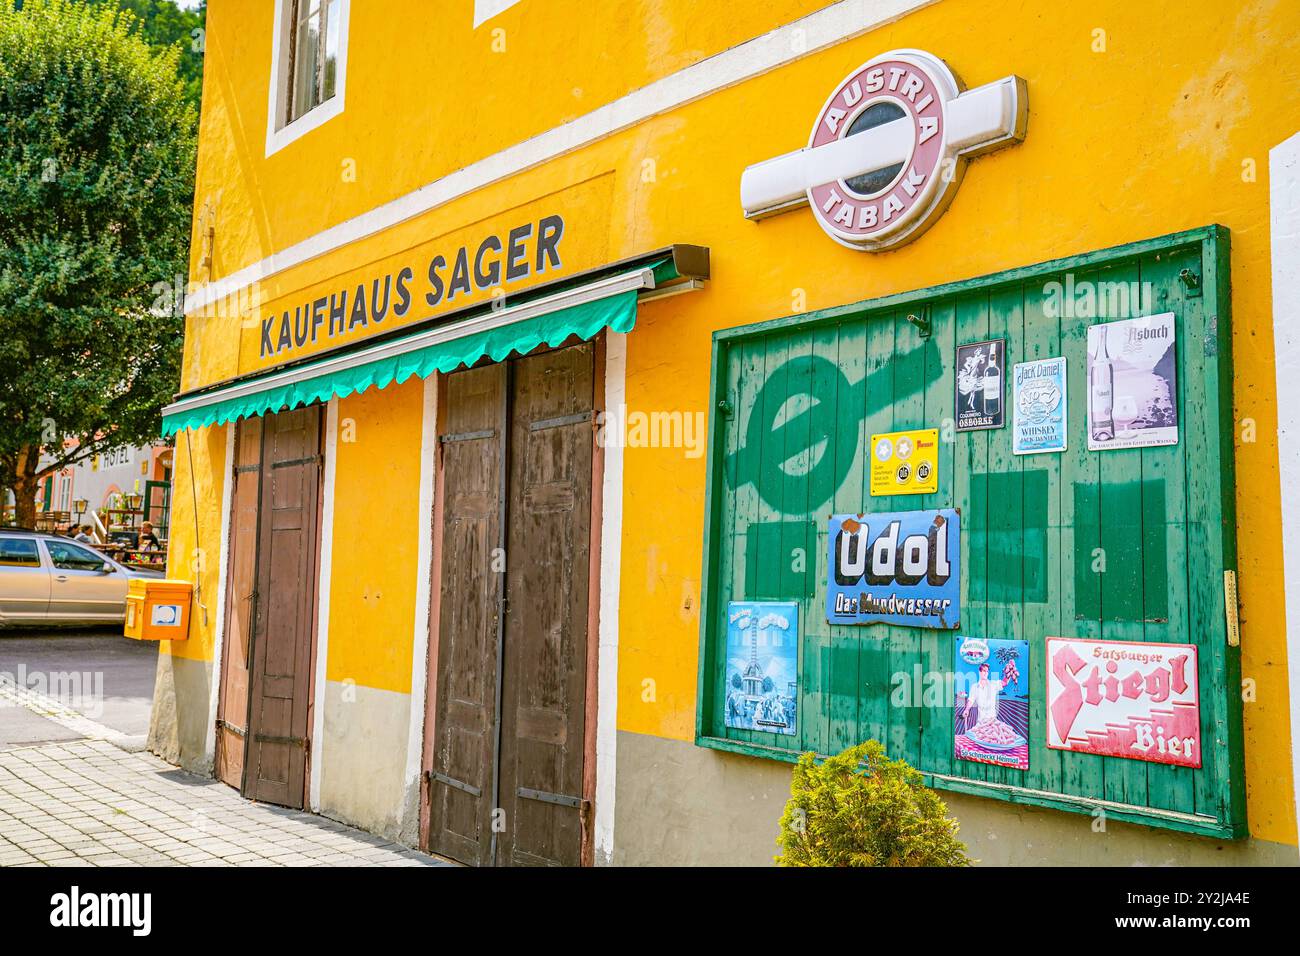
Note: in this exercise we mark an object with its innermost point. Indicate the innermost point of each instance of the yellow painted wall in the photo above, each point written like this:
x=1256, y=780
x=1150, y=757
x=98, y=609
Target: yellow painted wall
x=200, y=474
x=377, y=531
x=1148, y=136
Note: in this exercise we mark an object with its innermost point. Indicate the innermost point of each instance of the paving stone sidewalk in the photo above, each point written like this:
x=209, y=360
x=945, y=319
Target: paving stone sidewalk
x=87, y=803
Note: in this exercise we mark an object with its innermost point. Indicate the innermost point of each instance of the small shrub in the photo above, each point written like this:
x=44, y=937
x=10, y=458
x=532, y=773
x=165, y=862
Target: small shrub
x=860, y=808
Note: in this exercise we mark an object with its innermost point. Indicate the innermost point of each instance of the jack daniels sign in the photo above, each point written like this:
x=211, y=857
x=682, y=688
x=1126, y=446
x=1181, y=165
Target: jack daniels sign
x=900, y=567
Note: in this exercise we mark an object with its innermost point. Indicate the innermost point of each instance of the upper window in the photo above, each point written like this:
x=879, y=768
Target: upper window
x=309, y=69
x=313, y=55
x=19, y=553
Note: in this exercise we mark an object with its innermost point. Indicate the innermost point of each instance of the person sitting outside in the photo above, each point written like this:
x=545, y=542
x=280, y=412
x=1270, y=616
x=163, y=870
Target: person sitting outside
x=82, y=534
x=148, y=540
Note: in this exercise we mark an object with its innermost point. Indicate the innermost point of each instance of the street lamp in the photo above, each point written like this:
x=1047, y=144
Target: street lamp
x=79, y=506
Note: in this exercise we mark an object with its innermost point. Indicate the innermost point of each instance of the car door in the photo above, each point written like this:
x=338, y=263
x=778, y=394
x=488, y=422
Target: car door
x=84, y=586
x=24, y=580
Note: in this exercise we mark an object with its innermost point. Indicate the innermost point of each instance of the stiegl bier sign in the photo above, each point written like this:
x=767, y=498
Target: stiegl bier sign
x=1124, y=699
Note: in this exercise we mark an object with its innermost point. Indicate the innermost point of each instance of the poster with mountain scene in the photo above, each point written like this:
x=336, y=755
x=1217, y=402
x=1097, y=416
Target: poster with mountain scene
x=762, y=666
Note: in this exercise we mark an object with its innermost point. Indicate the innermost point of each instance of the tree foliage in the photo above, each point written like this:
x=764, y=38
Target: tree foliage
x=860, y=808
x=97, y=146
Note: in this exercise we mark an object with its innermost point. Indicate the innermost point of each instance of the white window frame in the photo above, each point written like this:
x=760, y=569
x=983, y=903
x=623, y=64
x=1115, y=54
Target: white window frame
x=280, y=134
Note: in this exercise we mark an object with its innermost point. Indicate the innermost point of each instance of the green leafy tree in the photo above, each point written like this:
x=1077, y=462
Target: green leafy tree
x=860, y=808
x=97, y=148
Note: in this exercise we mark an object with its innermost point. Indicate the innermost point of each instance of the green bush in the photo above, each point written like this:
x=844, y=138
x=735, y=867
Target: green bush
x=860, y=808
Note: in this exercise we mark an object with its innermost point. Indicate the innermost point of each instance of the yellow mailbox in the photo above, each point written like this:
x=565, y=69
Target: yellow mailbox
x=158, y=610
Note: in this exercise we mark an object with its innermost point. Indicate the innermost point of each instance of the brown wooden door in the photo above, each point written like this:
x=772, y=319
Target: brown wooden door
x=461, y=784
x=518, y=434
x=545, y=674
x=232, y=701
x=284, y=610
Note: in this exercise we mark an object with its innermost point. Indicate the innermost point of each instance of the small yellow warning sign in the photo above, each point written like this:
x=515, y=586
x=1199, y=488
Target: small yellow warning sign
x=905, y=463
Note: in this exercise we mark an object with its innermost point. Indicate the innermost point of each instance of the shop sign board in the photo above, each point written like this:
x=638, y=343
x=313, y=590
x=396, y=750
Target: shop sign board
x=901, y=567
x=1038, y=407
x=888, y=150
x=980, y=368
x=991, y=709
x=1124, y=699
x=1132, y=383
x=762, y=679
x=905, y=463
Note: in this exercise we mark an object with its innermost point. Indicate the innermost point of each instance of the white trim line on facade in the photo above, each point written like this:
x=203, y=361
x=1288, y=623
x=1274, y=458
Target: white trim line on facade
x=1284, y=215
x=219, y=632
x=330, y=452
x=423, y=599
x=485, y=10
x=611, y=570
x=280, y=87
x=834, y=24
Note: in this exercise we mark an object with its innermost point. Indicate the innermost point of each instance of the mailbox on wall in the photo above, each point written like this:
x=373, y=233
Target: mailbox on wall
x=1125, y=547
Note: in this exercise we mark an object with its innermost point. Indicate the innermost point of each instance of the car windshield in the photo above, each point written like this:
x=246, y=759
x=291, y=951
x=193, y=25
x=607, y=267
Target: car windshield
x=71, y=557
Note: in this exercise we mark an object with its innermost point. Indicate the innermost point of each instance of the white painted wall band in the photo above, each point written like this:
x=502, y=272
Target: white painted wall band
x=611, y=569
x=834, y=24
x=1284, y=215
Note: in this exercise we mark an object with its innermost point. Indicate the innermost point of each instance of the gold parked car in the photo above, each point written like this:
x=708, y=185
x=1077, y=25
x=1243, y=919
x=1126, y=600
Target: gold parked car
x=49, y=579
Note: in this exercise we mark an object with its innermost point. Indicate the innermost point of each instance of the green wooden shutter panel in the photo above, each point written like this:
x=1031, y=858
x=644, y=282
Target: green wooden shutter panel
x=794, y=402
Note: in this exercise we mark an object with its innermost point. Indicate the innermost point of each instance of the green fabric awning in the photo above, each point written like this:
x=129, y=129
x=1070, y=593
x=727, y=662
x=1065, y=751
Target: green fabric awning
x=584, y=312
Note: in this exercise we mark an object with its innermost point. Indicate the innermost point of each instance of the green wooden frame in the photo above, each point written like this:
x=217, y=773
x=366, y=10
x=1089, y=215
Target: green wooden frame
x=1209, y=523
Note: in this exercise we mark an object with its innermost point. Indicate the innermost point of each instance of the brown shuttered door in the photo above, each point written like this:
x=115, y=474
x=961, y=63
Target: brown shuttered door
x=461, y=783
x=510, y=724
x=280, y=690
x=545, y=672
x=232, y=707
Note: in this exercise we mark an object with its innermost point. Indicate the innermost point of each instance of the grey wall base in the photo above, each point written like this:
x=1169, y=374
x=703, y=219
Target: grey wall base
x=178, y=722
x=681, y=805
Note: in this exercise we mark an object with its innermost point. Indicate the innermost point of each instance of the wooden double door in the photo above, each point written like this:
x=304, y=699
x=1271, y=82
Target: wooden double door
x=510, y=774
x=265, y=698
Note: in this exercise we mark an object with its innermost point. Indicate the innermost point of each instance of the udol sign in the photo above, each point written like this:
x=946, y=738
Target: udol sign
x=888, y=150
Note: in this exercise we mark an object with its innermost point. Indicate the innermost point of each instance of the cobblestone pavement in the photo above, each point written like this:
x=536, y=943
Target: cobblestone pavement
x=88, y=803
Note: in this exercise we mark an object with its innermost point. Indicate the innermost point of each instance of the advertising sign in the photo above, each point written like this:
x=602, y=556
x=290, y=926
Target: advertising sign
x=980, y=369
x=901, y=567
x=991, y=709
x=1038, y=407
x=905, y=463
x=762, y=666
x=1132, y=383
x=888, y=150
x=1124, y=699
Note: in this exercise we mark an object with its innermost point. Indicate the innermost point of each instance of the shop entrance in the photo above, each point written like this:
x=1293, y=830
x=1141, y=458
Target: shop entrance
x=264, y=705
x=509, y=779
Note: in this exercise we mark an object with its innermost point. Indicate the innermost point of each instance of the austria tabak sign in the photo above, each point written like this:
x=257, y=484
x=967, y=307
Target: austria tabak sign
x=888, y=150
x=1124, y=699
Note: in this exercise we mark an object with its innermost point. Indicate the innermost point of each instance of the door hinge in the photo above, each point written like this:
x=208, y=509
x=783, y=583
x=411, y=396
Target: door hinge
x=273, y=739
x=461, y=785
x=1230, y=608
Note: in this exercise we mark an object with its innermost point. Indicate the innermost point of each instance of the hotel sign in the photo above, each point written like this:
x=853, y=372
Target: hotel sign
x=888, y=150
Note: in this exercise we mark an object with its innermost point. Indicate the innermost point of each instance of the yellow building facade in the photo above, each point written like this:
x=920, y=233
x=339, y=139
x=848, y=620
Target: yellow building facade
x=453, y=187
